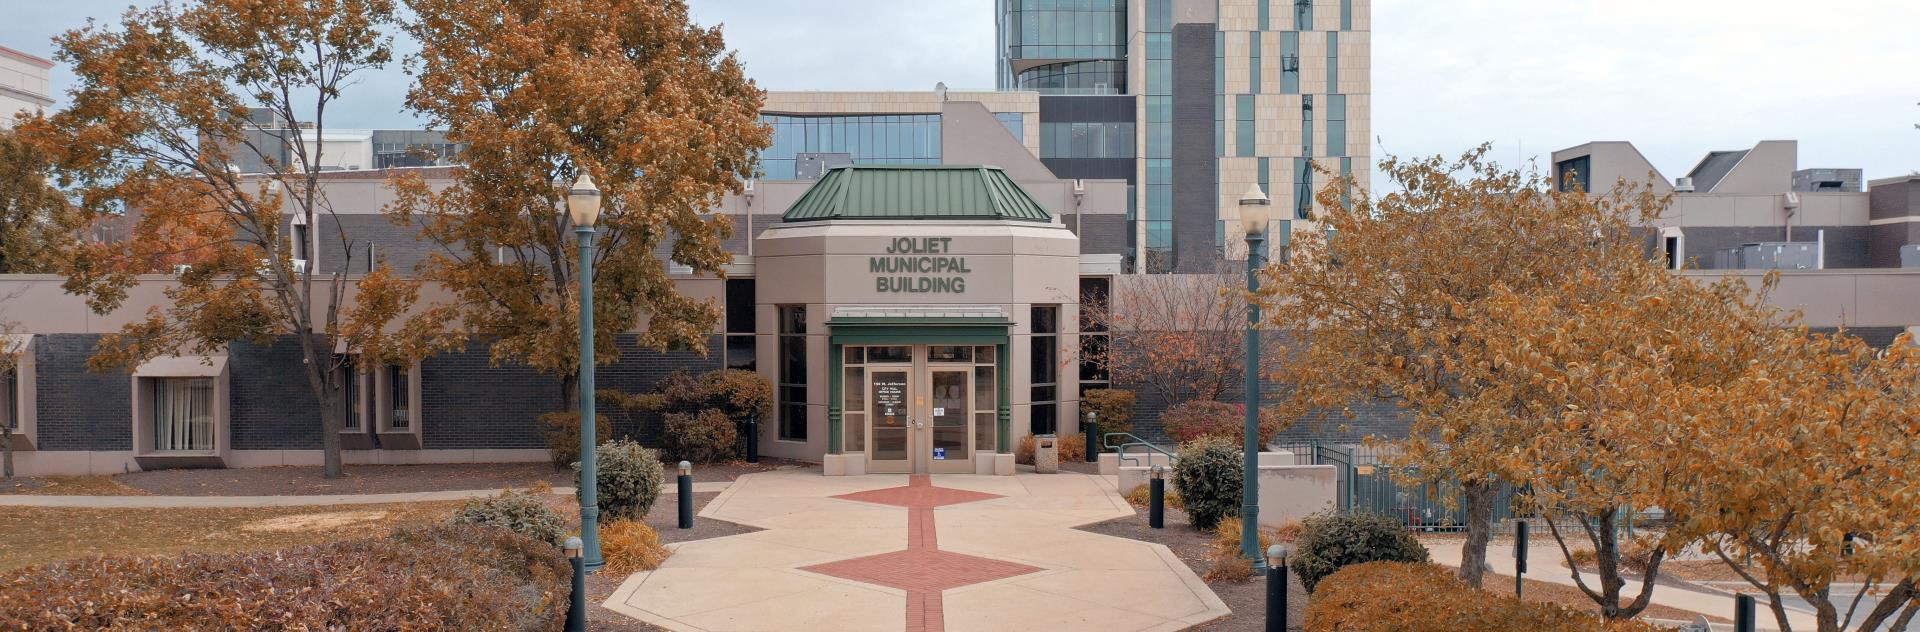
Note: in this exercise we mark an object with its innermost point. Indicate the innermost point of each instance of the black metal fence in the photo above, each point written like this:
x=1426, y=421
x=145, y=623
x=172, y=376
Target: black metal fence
x=1366, y=483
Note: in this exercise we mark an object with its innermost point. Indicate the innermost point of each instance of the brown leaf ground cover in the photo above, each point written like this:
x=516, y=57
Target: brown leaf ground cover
x=68, y=486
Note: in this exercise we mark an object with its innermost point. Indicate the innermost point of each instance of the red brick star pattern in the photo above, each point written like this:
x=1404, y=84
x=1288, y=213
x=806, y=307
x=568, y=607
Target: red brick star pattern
x=923, y=570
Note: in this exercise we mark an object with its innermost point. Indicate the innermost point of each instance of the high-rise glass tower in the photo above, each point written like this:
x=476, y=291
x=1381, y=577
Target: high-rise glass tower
x=1190, y=101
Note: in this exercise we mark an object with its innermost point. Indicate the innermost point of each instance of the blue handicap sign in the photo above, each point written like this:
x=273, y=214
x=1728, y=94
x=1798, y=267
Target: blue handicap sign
x=940, y=453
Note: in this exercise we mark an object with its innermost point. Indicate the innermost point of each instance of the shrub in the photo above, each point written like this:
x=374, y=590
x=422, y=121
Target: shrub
x=518, y=511
x=1228, y=564
x=1202, y=418
x=1114, y=407
x=563, y=435
x=630, y=546
x=1141, y=495
x=707, y=436
x=735, y=393
x=1331, y=542
x=1635, y=556
x=448, y=578
x=1415, y=597
x=1072, y=448
x=1288, y=531
x=629, y=479
x=1208, y=475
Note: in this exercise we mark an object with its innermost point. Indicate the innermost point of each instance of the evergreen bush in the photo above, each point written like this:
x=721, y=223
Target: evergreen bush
x=1330, y=542
x=1208, y=476
x=629, y=479
x=519, y=511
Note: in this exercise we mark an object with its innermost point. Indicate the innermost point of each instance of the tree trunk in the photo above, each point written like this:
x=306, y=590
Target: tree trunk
x=1779, y=611
x=570, y=392
x=326, y=384
x=1473, y=557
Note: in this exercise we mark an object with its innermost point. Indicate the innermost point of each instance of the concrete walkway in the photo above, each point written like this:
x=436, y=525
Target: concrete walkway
x=1546, y=563
x=893, y=552
x=188, y=502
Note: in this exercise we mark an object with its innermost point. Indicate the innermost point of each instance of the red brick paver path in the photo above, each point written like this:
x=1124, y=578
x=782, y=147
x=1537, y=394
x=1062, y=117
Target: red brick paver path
x=923, y=570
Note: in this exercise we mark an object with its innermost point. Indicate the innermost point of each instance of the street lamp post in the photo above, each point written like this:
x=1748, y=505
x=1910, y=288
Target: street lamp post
x=583, y=207
x=1254, y=208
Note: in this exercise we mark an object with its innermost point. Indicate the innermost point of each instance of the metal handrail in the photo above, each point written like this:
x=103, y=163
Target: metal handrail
x=1128, y=440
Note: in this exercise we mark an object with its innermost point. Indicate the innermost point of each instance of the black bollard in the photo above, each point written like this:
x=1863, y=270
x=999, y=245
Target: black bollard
x=1276, y=589
x=577, y=609
x=1743, y=613
x=753, y=438
x=1157, y=498
x=686, y=495
x=1093, y=438
x=1519, y=555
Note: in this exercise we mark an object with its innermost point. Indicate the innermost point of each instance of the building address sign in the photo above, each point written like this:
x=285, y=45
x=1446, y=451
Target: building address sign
x=919, y=265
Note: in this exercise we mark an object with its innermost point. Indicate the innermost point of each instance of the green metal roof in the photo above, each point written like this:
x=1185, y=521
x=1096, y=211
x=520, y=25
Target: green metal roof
x=916, y=192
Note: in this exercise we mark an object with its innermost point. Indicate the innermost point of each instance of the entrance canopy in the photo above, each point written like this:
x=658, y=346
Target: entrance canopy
x=942, y=192
x=919, y=324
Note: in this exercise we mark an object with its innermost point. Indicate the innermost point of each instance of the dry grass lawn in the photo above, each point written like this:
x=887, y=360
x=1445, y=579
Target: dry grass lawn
x=33, y=535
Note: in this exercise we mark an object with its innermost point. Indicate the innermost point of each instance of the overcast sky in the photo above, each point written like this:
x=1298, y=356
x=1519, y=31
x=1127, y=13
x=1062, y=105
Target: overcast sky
x=1678, y=78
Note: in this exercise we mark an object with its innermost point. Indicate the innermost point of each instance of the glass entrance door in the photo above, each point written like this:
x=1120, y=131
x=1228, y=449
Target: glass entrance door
x=921, y=408
x=889, y=408
x=948, y=435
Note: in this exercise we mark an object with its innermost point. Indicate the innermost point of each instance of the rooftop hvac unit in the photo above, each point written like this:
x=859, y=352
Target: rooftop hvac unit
x=1683, y=184
x=1780, y=255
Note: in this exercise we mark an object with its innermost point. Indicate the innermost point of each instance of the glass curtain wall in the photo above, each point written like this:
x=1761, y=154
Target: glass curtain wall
x=885, y=138
x=1080, y=46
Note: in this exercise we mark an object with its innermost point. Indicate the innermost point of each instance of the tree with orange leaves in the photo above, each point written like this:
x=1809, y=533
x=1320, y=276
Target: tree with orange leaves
x=1385, y=307
x=154, y=132
x=631, y=92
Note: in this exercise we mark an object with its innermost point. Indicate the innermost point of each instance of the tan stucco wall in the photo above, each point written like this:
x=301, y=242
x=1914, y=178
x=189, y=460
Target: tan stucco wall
x=824, y=265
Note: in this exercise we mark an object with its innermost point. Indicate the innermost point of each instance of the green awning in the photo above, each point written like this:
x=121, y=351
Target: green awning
x=949, y=192
x=939, y=325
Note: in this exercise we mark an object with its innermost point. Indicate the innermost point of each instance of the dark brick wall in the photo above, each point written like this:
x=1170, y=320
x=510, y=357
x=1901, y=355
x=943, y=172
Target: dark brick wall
x=1194, y=156
x=1846, y=245
x=1100, y=233
x=398, y=246
x=79, y=409
x=272, y=405
x=468, y=403
x=639, y=370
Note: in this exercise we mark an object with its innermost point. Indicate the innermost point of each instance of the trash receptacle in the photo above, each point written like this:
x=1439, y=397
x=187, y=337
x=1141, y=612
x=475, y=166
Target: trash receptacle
x=1046, y=454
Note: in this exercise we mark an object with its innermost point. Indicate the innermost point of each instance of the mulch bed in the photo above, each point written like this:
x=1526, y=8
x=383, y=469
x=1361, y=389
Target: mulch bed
x=1247, y=599
x=389, y=479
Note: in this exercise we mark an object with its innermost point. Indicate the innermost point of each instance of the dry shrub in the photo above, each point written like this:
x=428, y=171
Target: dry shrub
x=448, y=577
x=1115, y=407
x=1143, y=494
x=1635, y=555
x=1072, y=449
x=708, y=436
x=1422, y=597
x=1585, y=558
x=1187, y=421
x=1223, y=552
x=630, y=546
x=562, y=431
x=1289, y=531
